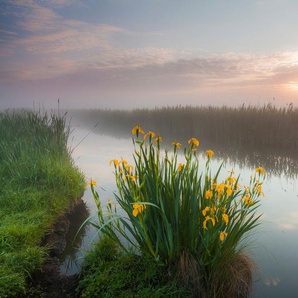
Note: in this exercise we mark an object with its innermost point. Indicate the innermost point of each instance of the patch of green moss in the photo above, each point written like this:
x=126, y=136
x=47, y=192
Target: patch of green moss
x=107, y=273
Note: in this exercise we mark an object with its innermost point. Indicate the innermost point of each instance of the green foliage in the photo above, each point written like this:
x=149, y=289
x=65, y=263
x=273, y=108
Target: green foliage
x=173, y=207
x=108, y=273
x=37, y=181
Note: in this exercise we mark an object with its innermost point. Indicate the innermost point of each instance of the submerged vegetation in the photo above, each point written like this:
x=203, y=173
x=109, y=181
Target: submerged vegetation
x=38, y=180
x=194, y=222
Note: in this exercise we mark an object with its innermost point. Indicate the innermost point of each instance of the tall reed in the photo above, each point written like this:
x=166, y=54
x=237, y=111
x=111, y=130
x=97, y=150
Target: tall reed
x=245, y=135
x=264, y=126
x=181, y=213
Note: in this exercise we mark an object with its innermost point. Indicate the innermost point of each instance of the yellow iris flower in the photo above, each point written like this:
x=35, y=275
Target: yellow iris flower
x=138, y=208
x=260, y=170
x=180, y=166
x=151, y=135
x=92, y=182
x=136, y=130
x=176, y=144
x=208, y=194
x=158, y=140
x=115, y=162
x=207, y=218
x=204, y=212
x=194, y=141
x=223, y=235
x=209, y=153
x=248, y=201
x=225, y=217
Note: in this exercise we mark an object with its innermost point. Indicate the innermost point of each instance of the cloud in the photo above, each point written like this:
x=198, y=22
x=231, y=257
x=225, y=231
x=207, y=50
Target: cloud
x=51, y=33
x=60, y=3
x=68, y=39
x=50, y=48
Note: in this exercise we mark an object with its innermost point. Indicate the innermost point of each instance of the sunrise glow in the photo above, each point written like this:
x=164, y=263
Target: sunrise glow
x=130, y=54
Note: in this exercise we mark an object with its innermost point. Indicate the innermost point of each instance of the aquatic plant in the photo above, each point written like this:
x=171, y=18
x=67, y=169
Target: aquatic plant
x=183, y=215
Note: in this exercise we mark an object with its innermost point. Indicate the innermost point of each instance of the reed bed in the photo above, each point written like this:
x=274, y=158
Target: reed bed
x=247, y=135
x=38, y=179
x=256, y=127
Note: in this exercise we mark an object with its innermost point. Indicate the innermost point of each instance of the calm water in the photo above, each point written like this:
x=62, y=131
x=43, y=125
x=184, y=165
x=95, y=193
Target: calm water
x=274, y=246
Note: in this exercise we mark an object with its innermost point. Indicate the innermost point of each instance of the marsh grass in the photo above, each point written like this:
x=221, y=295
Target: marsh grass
x=37, y=181
x=180, y=213
x=257, y=126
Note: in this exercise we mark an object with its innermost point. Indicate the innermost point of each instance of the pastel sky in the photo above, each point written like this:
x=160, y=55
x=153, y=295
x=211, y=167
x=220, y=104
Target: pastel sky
x=148, y=53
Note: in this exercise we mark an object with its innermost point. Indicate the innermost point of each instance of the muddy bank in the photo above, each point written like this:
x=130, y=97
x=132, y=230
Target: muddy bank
x=48, y=282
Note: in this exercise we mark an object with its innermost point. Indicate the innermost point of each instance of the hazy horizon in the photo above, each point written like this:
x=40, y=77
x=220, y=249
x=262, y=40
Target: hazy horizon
x=128, y=54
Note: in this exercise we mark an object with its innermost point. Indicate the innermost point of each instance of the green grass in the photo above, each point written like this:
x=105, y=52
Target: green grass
x=108, y=273
x=37, y=181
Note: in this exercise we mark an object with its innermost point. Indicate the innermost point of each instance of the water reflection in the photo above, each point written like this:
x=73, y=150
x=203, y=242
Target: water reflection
x=69, y=257
x=238, y=154
x=247, y=157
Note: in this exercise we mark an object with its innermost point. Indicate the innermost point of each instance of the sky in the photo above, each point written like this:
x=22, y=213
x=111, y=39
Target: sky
x=148, y=53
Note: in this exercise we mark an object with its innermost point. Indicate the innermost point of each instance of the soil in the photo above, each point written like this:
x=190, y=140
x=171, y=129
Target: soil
x=48, y=282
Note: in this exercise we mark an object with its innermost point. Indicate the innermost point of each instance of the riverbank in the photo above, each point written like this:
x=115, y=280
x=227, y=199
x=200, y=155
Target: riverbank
x=38, y=184
x=48, y=281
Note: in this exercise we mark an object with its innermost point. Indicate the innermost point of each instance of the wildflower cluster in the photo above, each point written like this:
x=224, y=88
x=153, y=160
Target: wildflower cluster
x=172, y=207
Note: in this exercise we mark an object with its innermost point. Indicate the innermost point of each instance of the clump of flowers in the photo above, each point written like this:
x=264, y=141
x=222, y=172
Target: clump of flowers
x=173, y=208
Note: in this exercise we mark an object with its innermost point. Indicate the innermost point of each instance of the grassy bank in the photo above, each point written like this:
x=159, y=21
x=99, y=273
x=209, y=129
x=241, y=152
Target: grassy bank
x=38, y=180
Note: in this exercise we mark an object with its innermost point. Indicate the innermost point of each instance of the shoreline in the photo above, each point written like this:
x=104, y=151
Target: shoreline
x=48, y=281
